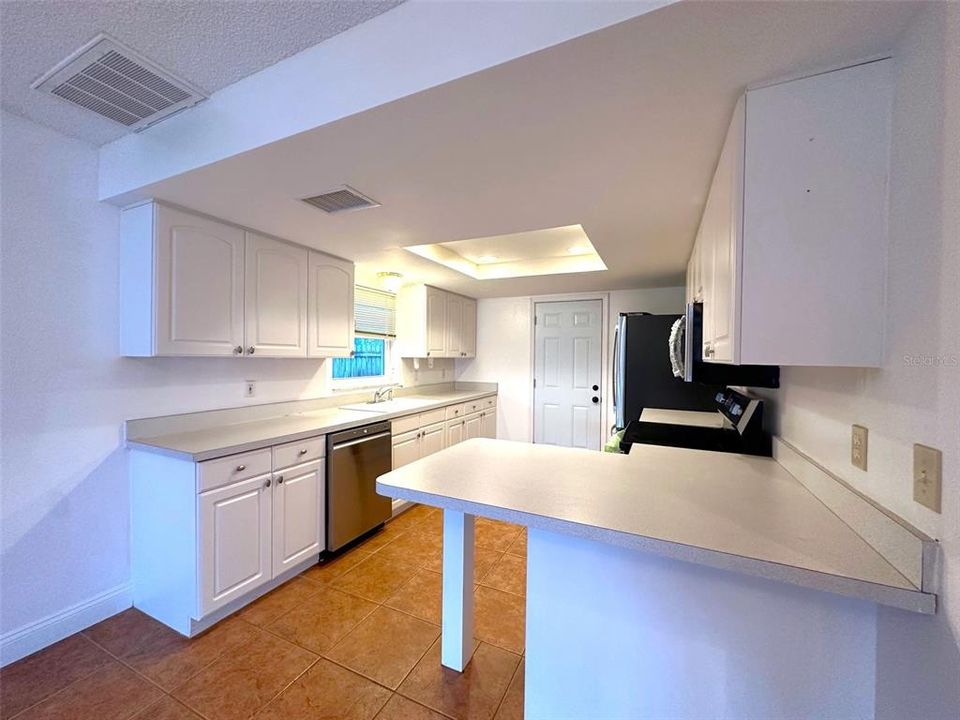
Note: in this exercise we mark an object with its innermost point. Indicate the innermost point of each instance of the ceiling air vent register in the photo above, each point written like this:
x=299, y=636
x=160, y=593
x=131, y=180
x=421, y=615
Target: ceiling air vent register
x=114, y=81
x=342, y=199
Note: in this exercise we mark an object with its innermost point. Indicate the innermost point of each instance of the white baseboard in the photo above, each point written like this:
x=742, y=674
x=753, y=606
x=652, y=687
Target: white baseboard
x=37, y=635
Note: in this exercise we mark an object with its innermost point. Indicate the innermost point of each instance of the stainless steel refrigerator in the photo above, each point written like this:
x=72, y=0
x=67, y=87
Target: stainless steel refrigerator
x=642, y=376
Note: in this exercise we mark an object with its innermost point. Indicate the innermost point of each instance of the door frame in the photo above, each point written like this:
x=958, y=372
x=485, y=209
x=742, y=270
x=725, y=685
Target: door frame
x=604, y=298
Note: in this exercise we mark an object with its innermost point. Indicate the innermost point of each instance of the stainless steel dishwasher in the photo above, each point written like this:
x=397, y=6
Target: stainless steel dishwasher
x=355, y=459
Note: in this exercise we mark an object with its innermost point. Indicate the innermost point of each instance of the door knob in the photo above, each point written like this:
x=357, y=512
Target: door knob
x=267, y=483
x=596, y=387
x=251, y=350
x=280, y=480
x=238, y=350
x=595, y=399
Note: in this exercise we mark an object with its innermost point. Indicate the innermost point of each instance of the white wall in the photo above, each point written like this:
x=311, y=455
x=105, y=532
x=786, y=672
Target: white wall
x=66, y=392
x=504, y=339
x=915, y=396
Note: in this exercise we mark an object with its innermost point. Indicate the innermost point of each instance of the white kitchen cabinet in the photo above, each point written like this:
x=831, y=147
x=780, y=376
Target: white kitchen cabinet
x=435, y=323
x=330, y=312
x=454, y=326
x=416, y=444
x=468, y=345
x=431, y=440
x=790, y=256
x=235, y=541
x=298, y=515
x=406, y=449
x=472, y=426
x=454, y=431
x=182, y=283
x=199, y=554
x=192, y=285
x=488, y=423
x=275, y=291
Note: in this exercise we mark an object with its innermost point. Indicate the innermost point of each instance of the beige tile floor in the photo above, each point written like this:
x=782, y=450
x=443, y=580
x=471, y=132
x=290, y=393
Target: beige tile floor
x=354, y=638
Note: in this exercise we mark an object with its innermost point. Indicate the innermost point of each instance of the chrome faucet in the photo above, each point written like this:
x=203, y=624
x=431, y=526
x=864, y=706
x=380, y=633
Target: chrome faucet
x=386, y=390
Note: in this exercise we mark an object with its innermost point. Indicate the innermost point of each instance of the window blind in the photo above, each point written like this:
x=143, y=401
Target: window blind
x=375, y=312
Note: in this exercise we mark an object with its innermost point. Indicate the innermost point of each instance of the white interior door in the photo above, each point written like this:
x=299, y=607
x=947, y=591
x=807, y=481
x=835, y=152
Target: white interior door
x=567, y=373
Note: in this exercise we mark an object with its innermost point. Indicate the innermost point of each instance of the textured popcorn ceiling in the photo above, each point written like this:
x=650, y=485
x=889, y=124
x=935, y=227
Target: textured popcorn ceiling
x=210, y=43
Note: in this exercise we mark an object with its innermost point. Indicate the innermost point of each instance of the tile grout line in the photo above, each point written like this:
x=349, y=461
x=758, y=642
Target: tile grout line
x=506, y=692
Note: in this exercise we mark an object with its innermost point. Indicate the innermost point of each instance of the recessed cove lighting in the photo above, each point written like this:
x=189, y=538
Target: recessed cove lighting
x=546, y=251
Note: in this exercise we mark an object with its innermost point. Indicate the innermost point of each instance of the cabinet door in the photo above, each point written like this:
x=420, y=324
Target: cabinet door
x=488, y=425
x=473, y=427
x=330, y=319
x=298, y=514
x=726, y=228
x=199, y=285
x=275, y=291
x=406, y=449
x=468, y=328
x=235, y=541
x=436, y=322
x=431, y=440
x=454, y=429
x=454, y=321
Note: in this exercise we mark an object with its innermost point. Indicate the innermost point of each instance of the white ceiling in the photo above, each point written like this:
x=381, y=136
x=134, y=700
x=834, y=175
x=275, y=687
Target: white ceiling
x=618, y=131
x=210, y=43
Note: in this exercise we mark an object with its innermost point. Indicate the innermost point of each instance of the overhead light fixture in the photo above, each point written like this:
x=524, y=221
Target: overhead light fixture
x=390, y=281
x=487, y=259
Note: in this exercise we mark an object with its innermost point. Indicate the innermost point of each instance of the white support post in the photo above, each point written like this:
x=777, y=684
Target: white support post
x=456, y=641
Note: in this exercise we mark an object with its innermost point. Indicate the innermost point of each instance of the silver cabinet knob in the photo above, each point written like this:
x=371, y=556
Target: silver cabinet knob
x=251, y=350
x=238, y=350
x=279, y=480
x=241, y=468
x=304, y=451
x=267, y=483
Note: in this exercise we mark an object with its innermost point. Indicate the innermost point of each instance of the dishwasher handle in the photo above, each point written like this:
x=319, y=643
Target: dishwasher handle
x=362, y=439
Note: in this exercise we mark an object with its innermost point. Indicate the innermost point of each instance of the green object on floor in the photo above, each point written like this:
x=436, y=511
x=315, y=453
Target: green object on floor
x=613, y=444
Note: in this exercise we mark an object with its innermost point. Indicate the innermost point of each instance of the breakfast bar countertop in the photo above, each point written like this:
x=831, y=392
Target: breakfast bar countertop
x=736, y=512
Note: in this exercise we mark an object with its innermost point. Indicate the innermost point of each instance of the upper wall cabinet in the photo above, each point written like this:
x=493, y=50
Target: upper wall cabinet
x=192, y=285
x=276, y=297
x=435, y=323
x=331, y=327
x=790, y=256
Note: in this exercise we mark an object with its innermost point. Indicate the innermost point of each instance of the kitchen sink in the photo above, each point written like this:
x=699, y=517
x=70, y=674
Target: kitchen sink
x=388, y=406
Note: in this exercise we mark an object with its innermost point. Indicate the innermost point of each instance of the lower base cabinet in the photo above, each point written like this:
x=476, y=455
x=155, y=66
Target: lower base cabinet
x=209, y=537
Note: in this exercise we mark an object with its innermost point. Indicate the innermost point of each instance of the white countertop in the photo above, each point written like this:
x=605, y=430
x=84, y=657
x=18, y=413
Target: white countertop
x=736, y=512
x=214, y=442
x=682, y=417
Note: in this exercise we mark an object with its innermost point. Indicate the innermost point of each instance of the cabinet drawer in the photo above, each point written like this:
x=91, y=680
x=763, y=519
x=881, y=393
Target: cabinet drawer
x=454, y=411
x=489, y=402
x=432, y=417
x=472, y=406
x=298, y=452
x=404, y=424
x=233, y=468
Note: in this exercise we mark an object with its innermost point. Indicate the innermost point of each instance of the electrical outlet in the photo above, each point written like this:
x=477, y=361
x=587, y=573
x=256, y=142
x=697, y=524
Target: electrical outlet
x=250, y=388
x=927, y=469
x=858, y=447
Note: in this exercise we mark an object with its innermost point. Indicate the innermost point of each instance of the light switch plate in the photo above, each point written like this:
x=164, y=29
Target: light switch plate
x=858, y=447
x=927, y=469
x=250, y=388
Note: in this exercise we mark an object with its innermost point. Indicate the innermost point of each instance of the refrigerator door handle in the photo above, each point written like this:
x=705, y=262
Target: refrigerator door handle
x=617, y=379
